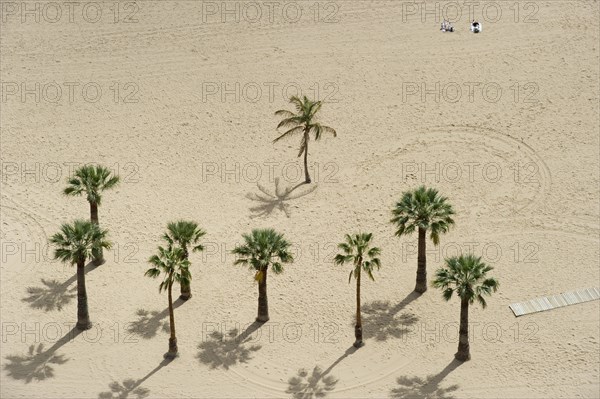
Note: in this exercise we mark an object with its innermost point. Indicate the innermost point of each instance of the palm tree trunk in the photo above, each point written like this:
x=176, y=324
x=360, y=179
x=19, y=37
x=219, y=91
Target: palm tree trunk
x=263, y=303
x=97, y=254
x=94, y=213
x=83, y=316
x=358, y=333
x=306, y=175
x=463, y=353
x=186, y=289
x=421, y=286
x=172, y=353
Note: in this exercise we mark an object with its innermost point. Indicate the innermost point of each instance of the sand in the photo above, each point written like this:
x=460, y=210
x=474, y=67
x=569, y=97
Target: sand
x=520, y=166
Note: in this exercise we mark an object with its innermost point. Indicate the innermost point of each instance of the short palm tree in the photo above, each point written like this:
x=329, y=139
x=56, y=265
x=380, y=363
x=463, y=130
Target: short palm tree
x=92, y=180
x=424, y=210
x=175, y=267
x=467, y=276
x=357, y=250
x=185, y=233
x=263, y=249
x=75, y=244
x=302, y=121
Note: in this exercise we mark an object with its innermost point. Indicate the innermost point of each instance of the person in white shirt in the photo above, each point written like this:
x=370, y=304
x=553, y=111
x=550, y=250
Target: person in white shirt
x=476, y=27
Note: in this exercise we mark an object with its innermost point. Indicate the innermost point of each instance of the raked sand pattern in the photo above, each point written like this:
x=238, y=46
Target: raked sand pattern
x=185, y=116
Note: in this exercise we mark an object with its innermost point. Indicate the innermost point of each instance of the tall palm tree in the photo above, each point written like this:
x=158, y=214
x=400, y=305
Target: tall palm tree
x=75, y=244
x=185, y=233
x=424, y=210
x=92, y=180
x=467, y=276
x=263, y=249
x=175, y=267
x=358, y=251
x=302, y=121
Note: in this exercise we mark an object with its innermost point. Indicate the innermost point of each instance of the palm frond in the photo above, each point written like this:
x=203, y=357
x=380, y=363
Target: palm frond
x=93, y=180
x=302, y=121
x=356, y=249
x=290, y=122
x=77, y=240
x=467, y=276
x=289, y=133
x=263, y=249
x=285, y=113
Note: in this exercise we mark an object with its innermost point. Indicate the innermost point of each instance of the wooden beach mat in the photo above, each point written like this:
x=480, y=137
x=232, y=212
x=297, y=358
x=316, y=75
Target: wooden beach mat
x=555, y=301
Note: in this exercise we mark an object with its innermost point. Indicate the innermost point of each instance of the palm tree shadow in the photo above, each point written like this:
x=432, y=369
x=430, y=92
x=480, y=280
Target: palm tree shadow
x=429, y=387
x=54, y=294
x=382, y=319
x=148, y=323
x=316, y=384
x=226, y=352
x=37, y=364
x=270, y=201
x=131, y=388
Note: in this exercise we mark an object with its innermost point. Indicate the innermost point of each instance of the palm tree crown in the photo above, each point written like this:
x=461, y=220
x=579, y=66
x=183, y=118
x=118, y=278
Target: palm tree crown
x=184, y=233
x=264, y=248
x=171, y=262
x=91, y=180
x=76, y=241
x=302, y=120
x=423, y=208
x=356, y=251
x=466, y=275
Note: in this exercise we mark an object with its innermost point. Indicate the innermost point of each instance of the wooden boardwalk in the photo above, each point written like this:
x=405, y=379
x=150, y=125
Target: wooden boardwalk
x=555, y=301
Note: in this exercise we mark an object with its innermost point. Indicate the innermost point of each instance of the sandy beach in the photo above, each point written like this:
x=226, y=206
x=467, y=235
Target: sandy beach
x=178, y=99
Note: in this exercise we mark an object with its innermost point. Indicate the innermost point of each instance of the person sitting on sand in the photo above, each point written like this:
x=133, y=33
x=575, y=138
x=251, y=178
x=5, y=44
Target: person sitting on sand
x=475, y=27
x=447, y=26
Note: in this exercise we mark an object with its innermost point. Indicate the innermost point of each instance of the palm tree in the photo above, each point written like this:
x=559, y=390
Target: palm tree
x=92, y=180
x=465, y=275
x=263, y=249
x=75, y=244
x=172, y=263
x=356, y=250
x=185, y=233
x=423, y=209
x=302, y=122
